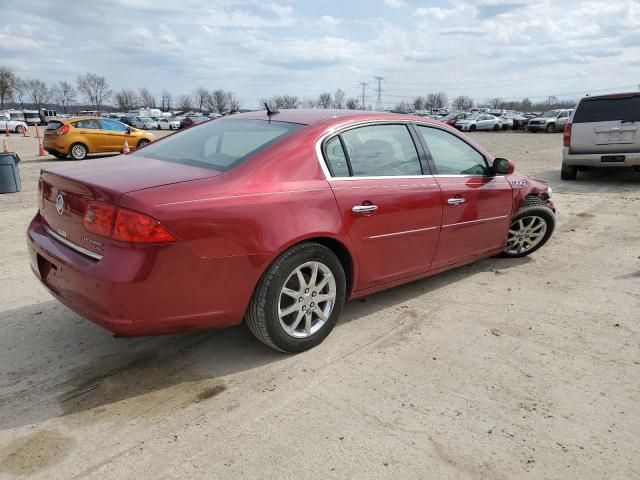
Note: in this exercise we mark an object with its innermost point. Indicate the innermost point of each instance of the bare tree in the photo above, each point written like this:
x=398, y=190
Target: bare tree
x=165, y=100
x=308, y=103
x=126, y=99
x=201, y=97
x=352, y=104
x=403, y=107
x=234, y=103
x=38, y=92
x=95, y=88
x=147, y=99
x=436, y=100
x=20, y=91
x=419, y=103
x=282, y=101
x=219, y=101
x=8, y=84
x=185, y=103
x=324, y=100
x=495, y=102
x=338, y=99
x=64, y=94
x=462, y=103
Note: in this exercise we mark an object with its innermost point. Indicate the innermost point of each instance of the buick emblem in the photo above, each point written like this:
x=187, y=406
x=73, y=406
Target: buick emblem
x=59, y=204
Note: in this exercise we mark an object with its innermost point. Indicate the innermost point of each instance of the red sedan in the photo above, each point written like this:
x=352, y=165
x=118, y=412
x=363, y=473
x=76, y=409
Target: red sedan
x=277, y=219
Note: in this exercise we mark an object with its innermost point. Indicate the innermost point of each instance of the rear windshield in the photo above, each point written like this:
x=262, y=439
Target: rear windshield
x=54, y=125
x=608, y=109
x=218, y=144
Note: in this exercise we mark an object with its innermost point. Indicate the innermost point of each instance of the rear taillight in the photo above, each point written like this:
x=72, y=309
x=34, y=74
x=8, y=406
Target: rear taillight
x=124, y=225
x=566, y=137
x=62, y=130
x=99, y=218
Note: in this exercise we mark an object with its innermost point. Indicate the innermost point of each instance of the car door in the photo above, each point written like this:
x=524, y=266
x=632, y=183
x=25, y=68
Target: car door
x=390, y=209
x=476, y=203
x=89, y=129
x=563, y=118
x=482, y=122
x=115, y=134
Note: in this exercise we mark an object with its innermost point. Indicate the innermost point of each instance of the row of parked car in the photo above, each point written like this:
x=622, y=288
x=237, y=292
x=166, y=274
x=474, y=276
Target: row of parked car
x=550, y=121
x=163, y=123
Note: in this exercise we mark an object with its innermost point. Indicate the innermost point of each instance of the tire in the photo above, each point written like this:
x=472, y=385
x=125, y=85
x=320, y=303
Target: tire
x=496, y=127
x=20, y=129
x=269, y=300
x=78, y=151
x=472, y=128
x=530, y=228
x=142, y=143
x=551, y=128
x=58, y=155
x=568, y=172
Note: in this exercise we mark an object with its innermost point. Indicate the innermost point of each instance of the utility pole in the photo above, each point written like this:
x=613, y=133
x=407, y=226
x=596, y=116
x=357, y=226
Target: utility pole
x=364, y=88
x=379, y=106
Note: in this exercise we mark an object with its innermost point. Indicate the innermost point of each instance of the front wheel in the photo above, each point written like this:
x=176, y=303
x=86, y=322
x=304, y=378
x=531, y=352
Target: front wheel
x=496, y=127
x=568, y=172
x=551, y=128
x=20, y=129
x=472, y=128
x=78, y=151
x=299, y=299
x=530, y=228
x=142, y=143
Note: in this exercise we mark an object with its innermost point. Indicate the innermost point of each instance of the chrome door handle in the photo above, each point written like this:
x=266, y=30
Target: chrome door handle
x=456, y=201
x=364, y=208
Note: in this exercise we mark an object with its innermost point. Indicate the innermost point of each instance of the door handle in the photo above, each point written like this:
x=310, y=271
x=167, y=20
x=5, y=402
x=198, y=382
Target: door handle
x=456, y=201
x=364, y=208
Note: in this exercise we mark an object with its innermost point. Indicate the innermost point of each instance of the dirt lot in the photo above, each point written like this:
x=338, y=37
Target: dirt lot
x=504, y=369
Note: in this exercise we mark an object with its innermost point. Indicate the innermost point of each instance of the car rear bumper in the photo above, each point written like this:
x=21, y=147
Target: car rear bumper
x=604, y=160
x=145, y=290
x=53, y=145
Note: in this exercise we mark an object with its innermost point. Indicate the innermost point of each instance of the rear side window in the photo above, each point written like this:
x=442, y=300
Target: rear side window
x=54, y=125
x=87, y=124
x=220, y=144
x=381, y=150
x=608, y=109
x=336, y=159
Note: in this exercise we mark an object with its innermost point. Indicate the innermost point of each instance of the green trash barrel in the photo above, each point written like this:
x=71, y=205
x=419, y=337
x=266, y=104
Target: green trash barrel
x=9, y=174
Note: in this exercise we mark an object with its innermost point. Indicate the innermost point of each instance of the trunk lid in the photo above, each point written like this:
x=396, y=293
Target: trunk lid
x=67, y=190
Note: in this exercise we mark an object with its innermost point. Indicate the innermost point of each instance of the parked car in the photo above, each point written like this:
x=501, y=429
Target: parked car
x=603, y=132
x=47, y=115
x=452, y=118
x=126, y=120
x=277, y=219
x=550, y=122
x=79, y=136
x=166, y=123
x=482, y=121
x=144, y=123
x=187, y=122
x=16, y=126
x=506, y=122
x=31, y=117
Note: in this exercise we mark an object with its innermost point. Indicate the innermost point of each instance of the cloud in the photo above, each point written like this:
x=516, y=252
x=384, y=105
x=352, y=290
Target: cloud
x=394, y=3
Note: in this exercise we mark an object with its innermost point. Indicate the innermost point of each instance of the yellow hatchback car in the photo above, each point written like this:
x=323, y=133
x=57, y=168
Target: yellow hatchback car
x=77, y=137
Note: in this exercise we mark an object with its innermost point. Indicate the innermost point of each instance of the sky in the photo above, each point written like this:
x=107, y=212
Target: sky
x=258, y=48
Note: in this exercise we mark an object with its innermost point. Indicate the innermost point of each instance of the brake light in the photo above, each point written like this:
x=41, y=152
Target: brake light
x=124, y=225
x=98, y=218
x=62, y=130
x=138, y=228
x=566, y=137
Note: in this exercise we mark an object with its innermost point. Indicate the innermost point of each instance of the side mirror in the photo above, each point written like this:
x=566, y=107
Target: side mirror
x=503, y=166
x=128, y=131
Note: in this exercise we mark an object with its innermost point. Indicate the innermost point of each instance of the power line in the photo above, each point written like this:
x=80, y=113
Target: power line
x=379, y=106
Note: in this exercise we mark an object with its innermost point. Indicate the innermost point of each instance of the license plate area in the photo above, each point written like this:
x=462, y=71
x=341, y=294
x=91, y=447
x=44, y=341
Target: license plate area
x=612, y=158
x=46, y=268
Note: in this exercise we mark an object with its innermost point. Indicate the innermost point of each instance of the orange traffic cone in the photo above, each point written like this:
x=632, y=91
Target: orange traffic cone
x=5, y=149
x=6, y=129
x=24, y=132
x=126, y=148
x=41, y=152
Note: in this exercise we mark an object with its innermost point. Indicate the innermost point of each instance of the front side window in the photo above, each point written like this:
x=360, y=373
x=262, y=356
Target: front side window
x=219, y=144
x=87, y=124
x=381, y=150
x=451, y=155
x=113, y=125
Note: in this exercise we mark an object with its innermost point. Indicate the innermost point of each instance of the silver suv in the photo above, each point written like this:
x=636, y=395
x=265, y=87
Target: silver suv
x=604, y=131
x=551, y=121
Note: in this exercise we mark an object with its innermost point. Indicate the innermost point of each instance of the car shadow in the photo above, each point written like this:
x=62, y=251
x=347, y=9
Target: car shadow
x=56, y=364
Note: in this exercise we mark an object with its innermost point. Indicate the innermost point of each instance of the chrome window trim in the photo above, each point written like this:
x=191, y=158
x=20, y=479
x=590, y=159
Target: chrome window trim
x=77, y=248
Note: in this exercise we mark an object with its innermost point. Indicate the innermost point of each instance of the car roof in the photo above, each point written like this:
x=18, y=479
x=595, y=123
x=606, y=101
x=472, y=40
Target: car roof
x=73, y=119
x=319, y=115
x=611, y=96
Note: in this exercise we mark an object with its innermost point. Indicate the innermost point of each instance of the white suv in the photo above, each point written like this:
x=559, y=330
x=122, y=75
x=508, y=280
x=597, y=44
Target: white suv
x=604, y=131
x=551, y=121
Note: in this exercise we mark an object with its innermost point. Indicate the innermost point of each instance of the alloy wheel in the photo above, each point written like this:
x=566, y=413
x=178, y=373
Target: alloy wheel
x=525, y=234
x=307, y=299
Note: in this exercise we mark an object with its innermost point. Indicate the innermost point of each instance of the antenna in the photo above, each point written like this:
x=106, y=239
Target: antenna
x=269, y=110
x=379, y=106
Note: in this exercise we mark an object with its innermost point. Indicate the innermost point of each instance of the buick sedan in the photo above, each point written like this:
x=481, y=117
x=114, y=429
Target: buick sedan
x=275, y=219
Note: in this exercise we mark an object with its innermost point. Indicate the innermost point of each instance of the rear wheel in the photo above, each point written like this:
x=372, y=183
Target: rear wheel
x=472, y=128
x=20, y=129
x=142, y=143
x=530, y=228
x=78, y=151
x=568, y=172
x=299, y=299
x=496, y=127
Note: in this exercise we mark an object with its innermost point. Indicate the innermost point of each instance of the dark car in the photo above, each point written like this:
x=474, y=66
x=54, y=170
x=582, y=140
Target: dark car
x=187, y=122
x=126, y=120
x=276, y=219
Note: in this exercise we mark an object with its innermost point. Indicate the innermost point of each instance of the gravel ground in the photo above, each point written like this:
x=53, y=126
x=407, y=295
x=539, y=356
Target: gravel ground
x=515, y=369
